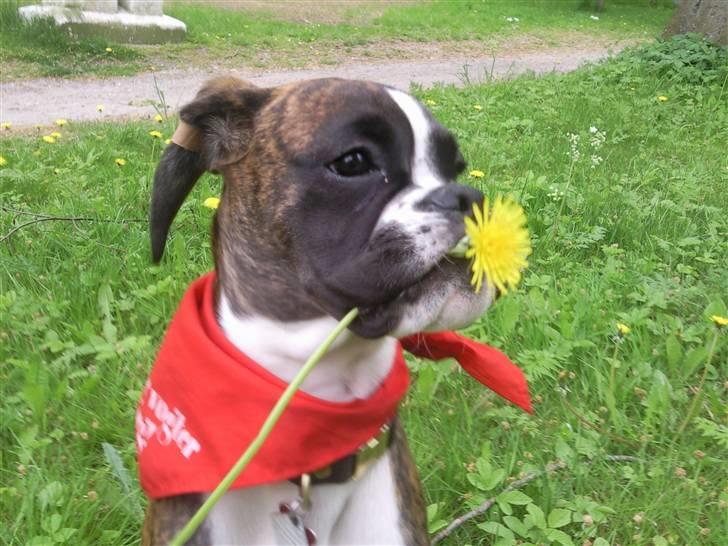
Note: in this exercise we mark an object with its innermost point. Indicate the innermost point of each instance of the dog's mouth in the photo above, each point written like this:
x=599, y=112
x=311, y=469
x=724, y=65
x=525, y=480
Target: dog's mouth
x=381, y=319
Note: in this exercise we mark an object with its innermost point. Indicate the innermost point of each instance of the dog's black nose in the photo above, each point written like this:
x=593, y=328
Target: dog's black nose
x=452, y=197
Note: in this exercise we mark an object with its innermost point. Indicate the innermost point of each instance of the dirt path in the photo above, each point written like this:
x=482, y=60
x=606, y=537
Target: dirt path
x=40, y=102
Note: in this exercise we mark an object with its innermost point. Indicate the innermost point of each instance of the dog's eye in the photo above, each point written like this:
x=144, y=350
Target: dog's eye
x=353, y=163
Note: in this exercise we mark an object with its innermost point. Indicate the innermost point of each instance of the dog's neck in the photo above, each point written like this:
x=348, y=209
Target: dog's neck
x=352, y=369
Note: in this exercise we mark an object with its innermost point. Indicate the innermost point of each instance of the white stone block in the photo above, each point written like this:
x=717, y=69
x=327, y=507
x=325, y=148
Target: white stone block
x=142, y=7
x=102, y=6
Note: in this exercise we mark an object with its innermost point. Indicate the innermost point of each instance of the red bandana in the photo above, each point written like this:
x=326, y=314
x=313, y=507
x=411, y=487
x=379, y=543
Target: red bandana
x=205, y=402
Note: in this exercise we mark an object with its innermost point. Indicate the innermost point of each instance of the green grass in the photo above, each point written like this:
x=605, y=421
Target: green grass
x=42, y=49
x=231, y=38
x=641, y=239
x=439, y=20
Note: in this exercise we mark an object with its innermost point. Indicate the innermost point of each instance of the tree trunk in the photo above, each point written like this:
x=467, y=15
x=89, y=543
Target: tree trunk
x=708, y=17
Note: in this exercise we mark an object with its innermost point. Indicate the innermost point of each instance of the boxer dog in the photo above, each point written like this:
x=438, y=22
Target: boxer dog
x=337, y=194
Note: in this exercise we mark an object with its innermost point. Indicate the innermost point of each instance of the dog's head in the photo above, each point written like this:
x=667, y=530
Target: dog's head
x=337, y=194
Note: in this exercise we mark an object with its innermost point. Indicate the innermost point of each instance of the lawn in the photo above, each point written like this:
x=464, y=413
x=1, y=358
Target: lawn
x=623, y=173
x=264, y=39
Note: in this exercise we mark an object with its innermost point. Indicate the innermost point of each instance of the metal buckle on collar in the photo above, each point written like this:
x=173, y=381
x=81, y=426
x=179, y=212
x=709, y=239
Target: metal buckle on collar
x=362, y=459
x=353, y=466
x=371, y=451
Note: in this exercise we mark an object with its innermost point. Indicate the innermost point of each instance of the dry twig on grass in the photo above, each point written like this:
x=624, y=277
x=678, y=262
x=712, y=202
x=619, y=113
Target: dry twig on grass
x=485, y=506
x=37, y=218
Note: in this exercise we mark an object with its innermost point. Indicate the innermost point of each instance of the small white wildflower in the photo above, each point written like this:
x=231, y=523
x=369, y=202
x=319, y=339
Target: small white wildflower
x=594, y=18
x=598, y=138
x=555, y=193
x=593, y=129
x=574, y=144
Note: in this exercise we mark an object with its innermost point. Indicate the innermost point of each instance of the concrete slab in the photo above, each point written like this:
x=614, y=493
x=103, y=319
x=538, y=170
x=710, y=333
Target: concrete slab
x=120, y=26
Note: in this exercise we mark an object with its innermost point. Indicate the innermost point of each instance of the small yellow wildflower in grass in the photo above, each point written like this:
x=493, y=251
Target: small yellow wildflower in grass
x=430, y=102
x=56, y=134
x=155, y=134
x=49, y=139
x=99, y=107
x=475, y=173
x=212, y=202
x=478, y=107
x=6, y=125
x=662, y=98
x=120, y=162
x=108, y=50
x=719, y=321
x=498, y=244
x=158, y=118
x=3, y=161
x=623, y=329
x=61, y=122
x=168, y=141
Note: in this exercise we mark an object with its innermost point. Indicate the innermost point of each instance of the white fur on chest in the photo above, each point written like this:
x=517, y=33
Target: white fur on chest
x=356, y=512
x=353, y=367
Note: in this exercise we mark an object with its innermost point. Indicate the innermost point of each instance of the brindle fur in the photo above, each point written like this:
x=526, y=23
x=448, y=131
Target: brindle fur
x=410, y=498
x=165, y=517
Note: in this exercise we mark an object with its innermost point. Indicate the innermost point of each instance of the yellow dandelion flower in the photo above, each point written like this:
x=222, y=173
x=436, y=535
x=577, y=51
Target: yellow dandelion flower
x=61, y=122
x=120, y=162
x=108, y=50
x=99, y=107
x=3, y=161
x=623, y=329
x=155, y=134
x=498, y=244
x=475, y=173
x=478, y=107
x=168, y=141
x=430, y=102
x=49, y=139
x=719, y=321
x=211, y=202
x=158, y=118
x=56, y=134
x=662, y=98
x=6, y=125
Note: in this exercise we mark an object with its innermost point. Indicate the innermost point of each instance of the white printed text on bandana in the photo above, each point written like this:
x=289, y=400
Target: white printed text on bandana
x=155, y=420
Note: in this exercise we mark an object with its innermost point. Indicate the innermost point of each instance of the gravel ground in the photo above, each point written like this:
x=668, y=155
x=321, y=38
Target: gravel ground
x=40, y=102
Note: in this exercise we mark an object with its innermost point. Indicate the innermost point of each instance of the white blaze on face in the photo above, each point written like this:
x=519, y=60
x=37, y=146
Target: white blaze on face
x=423, y=175
x=402, y=212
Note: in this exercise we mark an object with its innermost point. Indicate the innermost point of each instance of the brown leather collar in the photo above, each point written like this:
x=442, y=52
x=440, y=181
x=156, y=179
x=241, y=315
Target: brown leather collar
x=353, y=466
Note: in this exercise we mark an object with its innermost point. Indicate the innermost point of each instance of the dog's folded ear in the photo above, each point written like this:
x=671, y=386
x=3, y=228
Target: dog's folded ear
x=224, y=112
x=217, y=129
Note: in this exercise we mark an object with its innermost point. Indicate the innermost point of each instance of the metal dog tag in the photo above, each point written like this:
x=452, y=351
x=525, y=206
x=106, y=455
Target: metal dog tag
x=289, y=529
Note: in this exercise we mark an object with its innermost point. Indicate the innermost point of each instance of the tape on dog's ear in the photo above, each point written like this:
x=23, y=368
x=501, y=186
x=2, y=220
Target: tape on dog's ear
x=187, y=137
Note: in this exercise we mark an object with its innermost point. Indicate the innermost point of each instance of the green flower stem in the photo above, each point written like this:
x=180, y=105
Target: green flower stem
x=270, y=422
x=458, y=251
x=698, y=395
x=612, y=392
